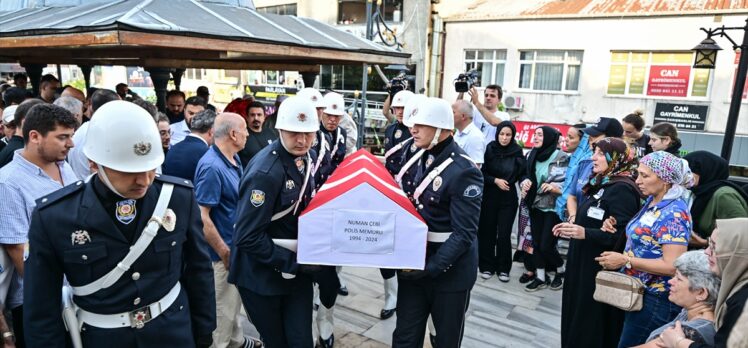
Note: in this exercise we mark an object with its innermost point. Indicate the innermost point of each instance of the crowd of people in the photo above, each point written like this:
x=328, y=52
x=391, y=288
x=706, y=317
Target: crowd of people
x=236, y=181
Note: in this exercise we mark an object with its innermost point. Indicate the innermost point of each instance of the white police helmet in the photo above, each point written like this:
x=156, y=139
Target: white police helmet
x=334, y=104
x=313, y=95
x=297, y=114
x=433, y=112
x=9, y=113
x=401, y=98
x=410, y=105
x=124, y=137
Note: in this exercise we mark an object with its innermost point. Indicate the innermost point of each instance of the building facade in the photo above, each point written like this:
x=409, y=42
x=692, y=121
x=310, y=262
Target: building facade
x=575, y=61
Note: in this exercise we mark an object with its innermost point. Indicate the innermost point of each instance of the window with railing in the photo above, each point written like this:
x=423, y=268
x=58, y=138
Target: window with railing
x=354, y=11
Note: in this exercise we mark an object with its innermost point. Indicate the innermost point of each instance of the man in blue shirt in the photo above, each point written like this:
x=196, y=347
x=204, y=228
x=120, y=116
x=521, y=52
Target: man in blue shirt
x=217, y=179
x=35, y=171
x=181, y=160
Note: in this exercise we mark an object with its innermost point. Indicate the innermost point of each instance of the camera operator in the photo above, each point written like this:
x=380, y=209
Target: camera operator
x=486, y=115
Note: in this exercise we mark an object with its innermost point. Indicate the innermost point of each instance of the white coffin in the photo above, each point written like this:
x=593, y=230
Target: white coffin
x=362, y=218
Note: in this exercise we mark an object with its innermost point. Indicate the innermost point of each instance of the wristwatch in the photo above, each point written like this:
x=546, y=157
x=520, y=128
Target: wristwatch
x=628, y=262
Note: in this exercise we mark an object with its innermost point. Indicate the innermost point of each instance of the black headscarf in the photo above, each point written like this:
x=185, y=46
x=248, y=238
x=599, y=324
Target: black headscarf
x=501, y=161
x=494, y=149
x=549, y=146
x=674, y=148
x=713, y=172
x=540, y=154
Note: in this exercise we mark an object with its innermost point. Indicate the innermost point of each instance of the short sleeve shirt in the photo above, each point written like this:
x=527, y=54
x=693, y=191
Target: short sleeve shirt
x=667, y=222
x=471, y=141
x=489, y=131
x=217, y=187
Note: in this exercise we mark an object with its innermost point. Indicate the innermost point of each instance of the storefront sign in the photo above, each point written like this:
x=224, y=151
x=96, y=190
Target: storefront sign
x=267, y=94
x=682, y=116
x=668, y=80
x=526, y=132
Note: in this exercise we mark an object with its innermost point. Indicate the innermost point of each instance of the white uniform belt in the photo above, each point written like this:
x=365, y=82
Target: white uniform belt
x=290, y=244
x=136, y=318
x=438, y=237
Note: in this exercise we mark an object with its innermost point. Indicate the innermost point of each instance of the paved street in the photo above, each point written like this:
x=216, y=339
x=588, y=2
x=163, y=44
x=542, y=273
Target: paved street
x=500, y=315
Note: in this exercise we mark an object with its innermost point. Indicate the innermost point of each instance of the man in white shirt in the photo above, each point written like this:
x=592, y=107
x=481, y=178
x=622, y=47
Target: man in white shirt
x=468, y=136
x=486, y=115
x=78, y=161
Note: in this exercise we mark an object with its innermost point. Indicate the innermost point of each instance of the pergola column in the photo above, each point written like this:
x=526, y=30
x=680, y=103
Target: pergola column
x=35, y=75
x=86, y=69
x=177, y=74
x=160, y=78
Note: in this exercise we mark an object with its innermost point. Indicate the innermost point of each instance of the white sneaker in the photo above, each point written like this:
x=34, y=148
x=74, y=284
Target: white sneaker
x=504, y=277
x=486, y=275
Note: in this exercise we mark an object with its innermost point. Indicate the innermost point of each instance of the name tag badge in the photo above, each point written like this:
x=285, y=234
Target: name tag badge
x=596, y=213
x=556, y=171
x=648, y=219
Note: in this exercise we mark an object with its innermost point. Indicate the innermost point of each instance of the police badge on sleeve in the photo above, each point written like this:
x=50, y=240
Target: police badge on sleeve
x=258, y=198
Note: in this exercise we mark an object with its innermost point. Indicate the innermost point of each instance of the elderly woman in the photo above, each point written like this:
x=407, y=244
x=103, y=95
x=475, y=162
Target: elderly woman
x=728, y=259
x=657, y=236
x=714, y=197
x=546, y=169
x=694, y=287
x=610, y=192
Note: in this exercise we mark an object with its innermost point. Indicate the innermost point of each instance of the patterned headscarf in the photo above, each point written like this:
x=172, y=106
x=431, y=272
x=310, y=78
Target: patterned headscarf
x=670, y=169
x=621, y=160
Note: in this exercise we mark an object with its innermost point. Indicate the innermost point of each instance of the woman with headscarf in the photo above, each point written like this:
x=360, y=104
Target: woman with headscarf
x=546, y=166
x=611, y=191
x=577, y=144
x=728, y=258
x=503, y=165
x=714, y=197
x=657, y=235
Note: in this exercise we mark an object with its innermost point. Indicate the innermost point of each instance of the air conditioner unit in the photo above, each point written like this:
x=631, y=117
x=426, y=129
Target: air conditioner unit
x=512, y=102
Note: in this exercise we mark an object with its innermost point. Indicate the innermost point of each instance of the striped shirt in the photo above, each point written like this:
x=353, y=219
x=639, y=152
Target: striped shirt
x=21, y=184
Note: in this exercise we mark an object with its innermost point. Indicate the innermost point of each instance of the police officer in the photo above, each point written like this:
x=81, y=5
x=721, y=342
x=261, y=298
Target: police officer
x=277, y=291
x=331, y=144
x=397, y=140
x=397, y=133
x=447, y=194
x=331, y=139
x=130, y=244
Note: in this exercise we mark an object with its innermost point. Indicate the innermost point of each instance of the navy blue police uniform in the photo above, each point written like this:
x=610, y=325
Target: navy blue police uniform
x=450, y=205
x=83, y=231
x=334, y=152
x=275, y=290
x=395, y=134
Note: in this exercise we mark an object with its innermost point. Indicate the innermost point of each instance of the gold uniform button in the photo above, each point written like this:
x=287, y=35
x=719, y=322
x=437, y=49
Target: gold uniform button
x=136, y=301
x=135, y=276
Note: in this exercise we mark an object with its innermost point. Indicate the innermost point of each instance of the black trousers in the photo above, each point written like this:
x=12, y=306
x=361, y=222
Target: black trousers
x=328, y=282
x=17, y=314
x=415, y=301
x=387, y=273
x=494, y=237
x=283, y=321
x=544, y=243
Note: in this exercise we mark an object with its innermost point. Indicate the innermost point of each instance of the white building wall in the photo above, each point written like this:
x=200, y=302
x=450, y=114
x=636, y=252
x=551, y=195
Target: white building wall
x=597, y=38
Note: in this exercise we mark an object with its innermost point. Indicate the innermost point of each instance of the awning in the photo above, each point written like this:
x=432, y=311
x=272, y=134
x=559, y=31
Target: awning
x=180, y=34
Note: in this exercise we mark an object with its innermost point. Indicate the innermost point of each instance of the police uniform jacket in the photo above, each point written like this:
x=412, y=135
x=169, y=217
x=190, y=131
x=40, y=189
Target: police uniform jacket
x=335, y=146
x=450, y=206
x=394, y=135
x=271, y=184
x=180, y=255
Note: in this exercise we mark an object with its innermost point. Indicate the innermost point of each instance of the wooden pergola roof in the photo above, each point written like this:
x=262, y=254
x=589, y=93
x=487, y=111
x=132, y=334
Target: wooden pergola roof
x=180, y=34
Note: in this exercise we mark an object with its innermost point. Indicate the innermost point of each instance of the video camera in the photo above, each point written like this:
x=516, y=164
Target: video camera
x=397, y=84
x=465, y=81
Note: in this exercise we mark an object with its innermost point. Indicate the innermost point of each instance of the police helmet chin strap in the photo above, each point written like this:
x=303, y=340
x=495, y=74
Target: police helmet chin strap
x=436, y=138
x=105, y=180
